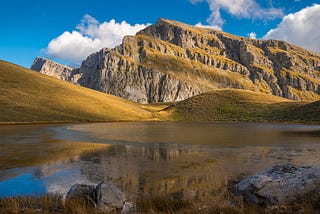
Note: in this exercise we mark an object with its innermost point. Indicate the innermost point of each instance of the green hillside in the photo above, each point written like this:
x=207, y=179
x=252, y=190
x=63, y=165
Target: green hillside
x=28, y=96
x=242, y=105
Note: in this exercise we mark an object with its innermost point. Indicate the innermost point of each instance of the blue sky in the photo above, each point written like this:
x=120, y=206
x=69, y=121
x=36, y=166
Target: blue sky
x=59, y=29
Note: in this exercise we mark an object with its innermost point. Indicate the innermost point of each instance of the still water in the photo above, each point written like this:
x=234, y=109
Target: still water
x=189, y=160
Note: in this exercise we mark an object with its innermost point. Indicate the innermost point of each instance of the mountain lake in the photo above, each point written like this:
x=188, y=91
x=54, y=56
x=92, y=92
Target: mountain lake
x=191, y=160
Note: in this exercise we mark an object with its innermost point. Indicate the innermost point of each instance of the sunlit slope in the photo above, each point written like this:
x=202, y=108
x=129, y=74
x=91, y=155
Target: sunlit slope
x=242, y=105
x=28, y=96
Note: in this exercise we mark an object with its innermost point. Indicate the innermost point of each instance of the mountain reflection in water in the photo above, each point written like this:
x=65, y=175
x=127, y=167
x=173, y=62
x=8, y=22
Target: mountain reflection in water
x=173, y=162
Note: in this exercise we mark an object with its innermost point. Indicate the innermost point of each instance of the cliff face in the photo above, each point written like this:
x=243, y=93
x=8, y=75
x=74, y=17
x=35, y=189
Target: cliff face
x=121, y=72
x=274, y=67
x=54, y=69
x=171, y=61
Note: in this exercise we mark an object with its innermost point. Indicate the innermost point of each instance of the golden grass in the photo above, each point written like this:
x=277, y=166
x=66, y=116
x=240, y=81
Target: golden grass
x=28, y=96
x=304, y=95
x=44, y=204
x=197, y=73
x=224, y=202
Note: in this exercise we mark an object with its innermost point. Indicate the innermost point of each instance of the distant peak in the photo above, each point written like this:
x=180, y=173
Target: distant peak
x=41, y=58
x=162, y=20
x=174, y=23
x=38, y=62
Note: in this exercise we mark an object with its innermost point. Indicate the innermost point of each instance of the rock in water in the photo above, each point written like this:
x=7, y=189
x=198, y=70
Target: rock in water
x=280, y=184
x=82, y=192
x=109, y=197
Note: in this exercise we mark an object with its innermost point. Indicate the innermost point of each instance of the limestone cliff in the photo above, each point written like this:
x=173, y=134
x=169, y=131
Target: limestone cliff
x=171, y=61
x=54, y=69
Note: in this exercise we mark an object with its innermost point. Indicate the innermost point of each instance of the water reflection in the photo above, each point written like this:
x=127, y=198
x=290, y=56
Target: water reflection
x=193, y=171
x=187, y=160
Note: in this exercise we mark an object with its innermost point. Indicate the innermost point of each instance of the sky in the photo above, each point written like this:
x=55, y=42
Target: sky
x=69, y=30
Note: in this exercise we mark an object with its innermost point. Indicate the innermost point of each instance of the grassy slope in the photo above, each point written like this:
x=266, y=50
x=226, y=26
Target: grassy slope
x=242, y=105
x=28, y=96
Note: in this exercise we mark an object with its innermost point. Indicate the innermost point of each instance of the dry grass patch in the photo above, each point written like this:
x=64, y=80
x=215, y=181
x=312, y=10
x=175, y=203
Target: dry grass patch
x=28, y=96
x=224, y=201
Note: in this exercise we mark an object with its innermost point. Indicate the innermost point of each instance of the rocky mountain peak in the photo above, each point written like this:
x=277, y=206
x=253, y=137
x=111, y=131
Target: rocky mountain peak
x=39, y=62
x=171, y=61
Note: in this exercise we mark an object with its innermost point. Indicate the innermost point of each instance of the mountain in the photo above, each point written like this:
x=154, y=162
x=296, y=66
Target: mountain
x=28, y=96
x=171, y=61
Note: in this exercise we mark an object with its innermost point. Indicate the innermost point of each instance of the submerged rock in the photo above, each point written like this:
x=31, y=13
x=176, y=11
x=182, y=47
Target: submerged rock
x=280, y=184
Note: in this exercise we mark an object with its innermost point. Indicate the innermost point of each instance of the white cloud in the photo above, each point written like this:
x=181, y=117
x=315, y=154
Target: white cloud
x=252, y=35
x=88, y=37
x=301, y=28
x=215, y=27
x=239, y=8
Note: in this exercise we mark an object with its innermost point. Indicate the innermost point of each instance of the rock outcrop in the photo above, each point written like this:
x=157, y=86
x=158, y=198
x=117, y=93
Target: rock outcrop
x=106, y=197
x=171, y=61
x=82, y=192
x=109, y=197
x=54, y=69
x=280, y=185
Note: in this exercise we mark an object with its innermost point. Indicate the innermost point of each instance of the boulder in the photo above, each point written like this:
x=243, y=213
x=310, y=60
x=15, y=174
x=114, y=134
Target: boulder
x=109, y=197
x=105, y=196
x=82, y=192
x=281, y=184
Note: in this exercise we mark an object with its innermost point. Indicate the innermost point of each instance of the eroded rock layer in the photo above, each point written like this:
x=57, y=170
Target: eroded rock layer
x=171, y=61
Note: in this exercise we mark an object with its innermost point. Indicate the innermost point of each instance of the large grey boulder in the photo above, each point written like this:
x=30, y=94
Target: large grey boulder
x=109, y=197
x=82, y=192
x=280, y=184
x=105, y=196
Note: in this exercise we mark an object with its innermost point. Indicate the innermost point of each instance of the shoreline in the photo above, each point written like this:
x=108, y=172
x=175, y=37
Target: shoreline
x=313, y=123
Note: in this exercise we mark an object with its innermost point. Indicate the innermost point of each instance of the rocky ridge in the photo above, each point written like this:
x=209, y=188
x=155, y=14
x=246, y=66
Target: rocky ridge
x=55, y=69
x=171, y=61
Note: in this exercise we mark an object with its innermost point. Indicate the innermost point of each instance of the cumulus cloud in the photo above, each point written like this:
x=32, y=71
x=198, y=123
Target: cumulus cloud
x=88, y=37
x=239, y=8
x=301, y=28
x=215, y=27
x=252, y=35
